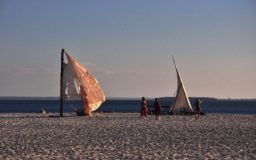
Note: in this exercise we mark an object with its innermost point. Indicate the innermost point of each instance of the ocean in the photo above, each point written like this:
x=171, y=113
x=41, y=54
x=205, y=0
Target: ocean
x=222, y=106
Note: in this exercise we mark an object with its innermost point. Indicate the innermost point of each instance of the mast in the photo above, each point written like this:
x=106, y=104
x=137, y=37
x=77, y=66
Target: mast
x=61, y=83
x=178, y=87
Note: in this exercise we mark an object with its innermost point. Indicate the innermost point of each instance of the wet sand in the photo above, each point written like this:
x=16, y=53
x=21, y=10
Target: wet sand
x=127, y=136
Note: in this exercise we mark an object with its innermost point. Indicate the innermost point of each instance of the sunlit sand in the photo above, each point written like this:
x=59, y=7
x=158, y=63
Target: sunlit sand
x=127, y=136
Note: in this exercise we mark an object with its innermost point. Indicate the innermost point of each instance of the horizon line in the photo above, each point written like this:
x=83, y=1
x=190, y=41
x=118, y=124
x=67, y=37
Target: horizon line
x=57, y=97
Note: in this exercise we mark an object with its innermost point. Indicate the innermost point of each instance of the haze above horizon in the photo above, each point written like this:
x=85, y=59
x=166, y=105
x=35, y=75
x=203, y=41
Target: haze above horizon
x=128, y=46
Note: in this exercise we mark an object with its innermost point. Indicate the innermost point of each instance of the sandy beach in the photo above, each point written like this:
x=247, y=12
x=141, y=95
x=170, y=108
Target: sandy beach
x=127, y=136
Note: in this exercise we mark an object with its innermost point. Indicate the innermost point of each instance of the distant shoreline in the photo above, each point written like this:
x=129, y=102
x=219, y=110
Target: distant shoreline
x=121, y=98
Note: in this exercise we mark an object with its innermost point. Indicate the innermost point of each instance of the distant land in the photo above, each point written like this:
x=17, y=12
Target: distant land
x=28, y=98
x=119, y=98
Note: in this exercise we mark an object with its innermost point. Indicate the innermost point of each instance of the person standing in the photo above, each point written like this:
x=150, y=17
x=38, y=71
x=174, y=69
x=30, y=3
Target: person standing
x=198, y=108
x=157, y=109
x=143, y=108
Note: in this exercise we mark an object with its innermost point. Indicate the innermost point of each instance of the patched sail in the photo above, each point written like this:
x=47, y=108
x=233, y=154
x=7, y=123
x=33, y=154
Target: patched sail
x=78, y=82
x=181, y=103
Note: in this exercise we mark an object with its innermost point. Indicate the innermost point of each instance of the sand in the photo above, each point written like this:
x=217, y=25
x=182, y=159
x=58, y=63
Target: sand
x=127, y=136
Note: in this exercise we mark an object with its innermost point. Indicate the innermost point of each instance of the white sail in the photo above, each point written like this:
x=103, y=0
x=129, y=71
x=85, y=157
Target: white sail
x=181, y=102
x=78, y=82
x=71, y=88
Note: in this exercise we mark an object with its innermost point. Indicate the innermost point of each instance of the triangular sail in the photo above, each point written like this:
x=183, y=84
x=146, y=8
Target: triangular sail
x=181, y=103
x=71, y=88
x=79, y=82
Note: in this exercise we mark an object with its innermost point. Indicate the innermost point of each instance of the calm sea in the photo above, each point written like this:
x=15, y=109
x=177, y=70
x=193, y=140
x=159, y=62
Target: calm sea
x=125, y=105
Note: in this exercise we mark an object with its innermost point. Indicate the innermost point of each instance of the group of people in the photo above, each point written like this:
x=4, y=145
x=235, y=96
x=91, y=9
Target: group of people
x=157, y=108
x=144, y=109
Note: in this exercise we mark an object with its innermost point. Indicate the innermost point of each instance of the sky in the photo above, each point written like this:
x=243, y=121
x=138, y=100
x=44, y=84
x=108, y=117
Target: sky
x=128, y=46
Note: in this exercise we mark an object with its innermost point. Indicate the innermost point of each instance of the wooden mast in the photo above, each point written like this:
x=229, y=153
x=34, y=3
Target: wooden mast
x=61, y=83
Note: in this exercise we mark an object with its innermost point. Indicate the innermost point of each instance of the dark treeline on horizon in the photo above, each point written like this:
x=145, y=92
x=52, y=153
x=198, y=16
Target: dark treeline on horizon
x=124, y=98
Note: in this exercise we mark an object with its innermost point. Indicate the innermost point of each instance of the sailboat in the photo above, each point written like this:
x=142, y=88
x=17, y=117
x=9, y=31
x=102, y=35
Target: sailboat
x=181, y=103
x=77, y=82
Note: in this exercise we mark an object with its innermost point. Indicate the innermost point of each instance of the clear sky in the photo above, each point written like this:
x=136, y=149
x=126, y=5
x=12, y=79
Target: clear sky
x=128, y=44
